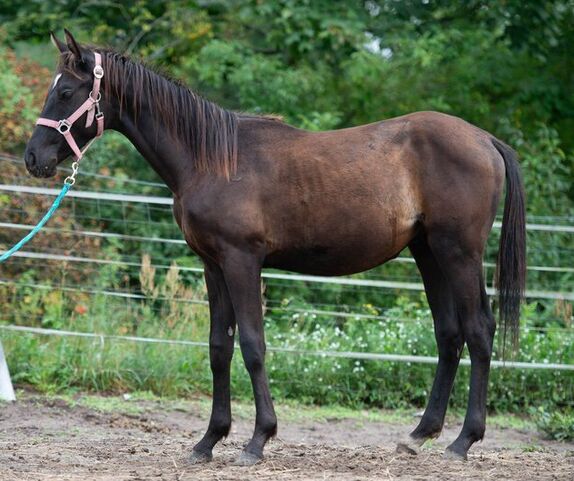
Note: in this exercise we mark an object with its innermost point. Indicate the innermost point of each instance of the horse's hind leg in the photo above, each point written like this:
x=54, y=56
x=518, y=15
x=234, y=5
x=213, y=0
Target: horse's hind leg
x=459, y=254
x=449, y=338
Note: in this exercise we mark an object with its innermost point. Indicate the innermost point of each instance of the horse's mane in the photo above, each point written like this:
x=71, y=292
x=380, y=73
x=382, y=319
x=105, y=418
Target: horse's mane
x=208, y=132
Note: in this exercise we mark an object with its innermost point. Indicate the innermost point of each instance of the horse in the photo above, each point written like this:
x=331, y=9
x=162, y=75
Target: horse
x=251, y=191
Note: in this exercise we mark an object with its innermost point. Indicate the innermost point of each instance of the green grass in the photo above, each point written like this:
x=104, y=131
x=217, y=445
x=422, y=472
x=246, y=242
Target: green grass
x=518, y=422
x=57, y=365
x=141, y=402
x=557, y=425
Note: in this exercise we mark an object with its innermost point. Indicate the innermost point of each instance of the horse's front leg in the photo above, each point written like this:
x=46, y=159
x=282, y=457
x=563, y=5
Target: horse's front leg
x=220, y=352
x=242, y=272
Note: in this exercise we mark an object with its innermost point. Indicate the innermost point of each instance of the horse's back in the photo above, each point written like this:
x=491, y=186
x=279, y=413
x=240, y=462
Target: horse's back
x=310, y=201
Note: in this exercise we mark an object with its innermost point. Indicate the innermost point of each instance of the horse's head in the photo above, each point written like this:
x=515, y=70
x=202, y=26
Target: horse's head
x=70, y=89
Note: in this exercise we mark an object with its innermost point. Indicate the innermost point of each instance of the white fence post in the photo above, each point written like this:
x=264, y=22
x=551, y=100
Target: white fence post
x=6, y=389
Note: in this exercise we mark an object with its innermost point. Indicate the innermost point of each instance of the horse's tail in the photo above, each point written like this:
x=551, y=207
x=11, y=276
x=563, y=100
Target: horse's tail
x=511, y=264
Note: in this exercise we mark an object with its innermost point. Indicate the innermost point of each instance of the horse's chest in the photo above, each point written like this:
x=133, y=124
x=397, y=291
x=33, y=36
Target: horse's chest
x=188, y=227
x=195, y=238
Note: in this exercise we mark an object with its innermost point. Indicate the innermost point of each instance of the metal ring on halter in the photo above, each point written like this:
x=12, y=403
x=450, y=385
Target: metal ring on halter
x=98, y=71
x=63, y=126
x=95, y=100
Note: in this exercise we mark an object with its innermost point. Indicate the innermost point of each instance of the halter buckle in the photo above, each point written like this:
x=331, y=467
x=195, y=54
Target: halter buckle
x=64, y=126
x=98, y=71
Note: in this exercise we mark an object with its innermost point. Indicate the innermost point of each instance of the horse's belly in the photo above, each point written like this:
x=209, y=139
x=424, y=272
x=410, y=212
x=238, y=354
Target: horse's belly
x=341, y=254
x=313, y=262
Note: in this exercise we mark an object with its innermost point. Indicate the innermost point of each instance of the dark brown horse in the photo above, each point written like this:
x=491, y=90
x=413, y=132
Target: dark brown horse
x=252, y=192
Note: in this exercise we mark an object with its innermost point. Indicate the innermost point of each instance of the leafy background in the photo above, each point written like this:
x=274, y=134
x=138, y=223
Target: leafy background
x=505, y=66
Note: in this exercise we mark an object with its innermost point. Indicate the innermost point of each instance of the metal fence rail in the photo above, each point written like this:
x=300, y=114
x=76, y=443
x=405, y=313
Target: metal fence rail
x=273, y=306
x=368, y=356
x=169, y=201
x=162, y=240
x=344, y=281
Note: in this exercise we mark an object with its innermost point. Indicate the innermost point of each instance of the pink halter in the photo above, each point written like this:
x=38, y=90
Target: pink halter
x=91, y=105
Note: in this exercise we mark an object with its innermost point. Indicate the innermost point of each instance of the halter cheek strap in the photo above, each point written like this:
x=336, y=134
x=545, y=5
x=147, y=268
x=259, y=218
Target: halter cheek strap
x=91, y=106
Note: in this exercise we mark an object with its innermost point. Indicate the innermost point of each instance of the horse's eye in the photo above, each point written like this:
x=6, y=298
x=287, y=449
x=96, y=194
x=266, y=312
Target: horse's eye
x=65, y=94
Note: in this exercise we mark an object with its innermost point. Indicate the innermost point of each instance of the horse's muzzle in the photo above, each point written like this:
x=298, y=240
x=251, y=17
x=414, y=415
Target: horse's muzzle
x=39, y=169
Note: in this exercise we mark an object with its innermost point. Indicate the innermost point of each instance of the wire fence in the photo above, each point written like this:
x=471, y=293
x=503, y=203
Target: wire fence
x=154, y=200
x=302, y=352
x=120, y=182
x=90, y=205
x=115, y=235
x=272, y=306
x=343, y=281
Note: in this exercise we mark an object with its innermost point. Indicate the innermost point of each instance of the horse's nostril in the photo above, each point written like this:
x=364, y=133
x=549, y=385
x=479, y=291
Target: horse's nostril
x=30, y=159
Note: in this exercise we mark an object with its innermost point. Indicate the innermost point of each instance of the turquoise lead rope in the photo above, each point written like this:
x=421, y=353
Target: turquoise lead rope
x=36, y=229
x=68, y=183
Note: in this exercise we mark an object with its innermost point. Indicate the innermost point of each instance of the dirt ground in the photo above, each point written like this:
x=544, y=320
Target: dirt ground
x=53, y=439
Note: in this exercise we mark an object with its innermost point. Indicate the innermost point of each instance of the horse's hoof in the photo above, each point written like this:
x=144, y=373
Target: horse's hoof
x=247, y=459
x=405, y=448
x=410, y=446
x=451, y=453
x=197, y=457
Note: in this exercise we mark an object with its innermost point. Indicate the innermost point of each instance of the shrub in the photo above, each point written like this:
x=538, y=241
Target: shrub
x=555, y=424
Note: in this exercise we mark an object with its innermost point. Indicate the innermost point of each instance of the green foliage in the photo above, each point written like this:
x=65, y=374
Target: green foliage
x=552, y=176
x=114, y=365
x=504, y=66
x=254, y=82
x=555, y=424
x=17, y=111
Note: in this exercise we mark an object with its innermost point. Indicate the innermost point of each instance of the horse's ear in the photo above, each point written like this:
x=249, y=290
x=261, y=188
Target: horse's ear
x=73, y=45
x=61, y=46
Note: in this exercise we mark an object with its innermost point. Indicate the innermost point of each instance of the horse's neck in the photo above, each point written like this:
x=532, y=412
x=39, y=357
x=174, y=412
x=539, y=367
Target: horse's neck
x=151, y=139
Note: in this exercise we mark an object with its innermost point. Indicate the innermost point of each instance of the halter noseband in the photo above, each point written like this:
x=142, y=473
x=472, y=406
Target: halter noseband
x=91, y=105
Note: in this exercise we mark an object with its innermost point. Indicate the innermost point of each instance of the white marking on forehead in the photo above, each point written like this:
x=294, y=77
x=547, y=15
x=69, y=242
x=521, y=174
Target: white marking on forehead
x=56, y=81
